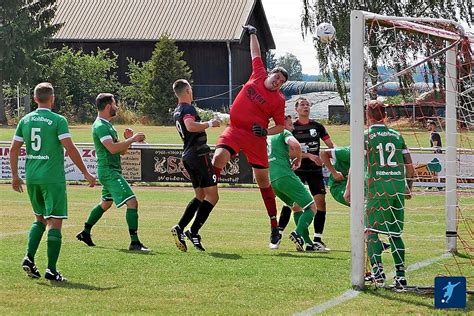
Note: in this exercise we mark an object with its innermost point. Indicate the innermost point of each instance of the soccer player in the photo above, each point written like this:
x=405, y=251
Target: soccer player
x=259, y=100
x=310, y=133
x=197, y=161
x=388, y=178
x=115, y=189
x=287, y=186
x=435, y=138
x=339, y=171
x=45, y=134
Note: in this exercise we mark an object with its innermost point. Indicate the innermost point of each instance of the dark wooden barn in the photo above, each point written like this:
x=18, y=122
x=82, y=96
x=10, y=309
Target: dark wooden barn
x=208, y=31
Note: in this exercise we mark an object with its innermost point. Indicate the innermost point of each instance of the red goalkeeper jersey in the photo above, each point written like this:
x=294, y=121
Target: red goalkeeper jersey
x=255, y=104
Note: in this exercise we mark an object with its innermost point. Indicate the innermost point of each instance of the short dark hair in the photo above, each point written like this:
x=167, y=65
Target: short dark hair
x=180, y=85
x=103, y=99
x=376, y=110
x=280, y=70
x=43, y=91
x=288, y=117
x=298, y=101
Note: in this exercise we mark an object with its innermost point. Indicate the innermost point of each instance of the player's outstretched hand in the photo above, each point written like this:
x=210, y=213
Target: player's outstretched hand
x=295, y=164
x=215, y=123
x=128, y=133
x=91, y=179
x=138, y=137
x=249, y=29
x=259, y=131
x=338, y=176
x=17, y=184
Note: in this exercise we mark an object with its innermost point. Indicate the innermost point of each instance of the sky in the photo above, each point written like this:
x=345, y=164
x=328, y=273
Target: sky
x=284, y=19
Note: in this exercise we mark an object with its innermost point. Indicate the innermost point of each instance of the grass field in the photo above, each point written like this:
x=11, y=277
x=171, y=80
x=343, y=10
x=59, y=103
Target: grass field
x=237, y=275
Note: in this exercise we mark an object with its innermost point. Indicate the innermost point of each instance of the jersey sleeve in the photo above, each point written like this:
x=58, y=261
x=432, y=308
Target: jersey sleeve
x=19, y=132
x=287, y=135
x=63, y=128
x=189, y=113
x=258, y=68
x=324, y=133
x=103, y=133
x=342, y=154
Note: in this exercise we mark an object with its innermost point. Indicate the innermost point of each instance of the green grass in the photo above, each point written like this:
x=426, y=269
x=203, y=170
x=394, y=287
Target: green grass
x=237, y=275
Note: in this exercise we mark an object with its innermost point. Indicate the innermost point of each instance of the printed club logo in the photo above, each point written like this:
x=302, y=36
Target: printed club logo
x=450, y=292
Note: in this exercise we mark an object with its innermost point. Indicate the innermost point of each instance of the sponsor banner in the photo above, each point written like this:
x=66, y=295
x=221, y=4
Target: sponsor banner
x=166, y=165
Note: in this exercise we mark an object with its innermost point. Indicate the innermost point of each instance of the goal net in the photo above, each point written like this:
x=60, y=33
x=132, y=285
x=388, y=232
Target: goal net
x=421, y=69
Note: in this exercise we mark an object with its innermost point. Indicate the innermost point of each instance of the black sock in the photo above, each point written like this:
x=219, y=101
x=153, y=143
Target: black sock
x=202, y=214
x=319, y=220
x=285, y=215
x=189, y=212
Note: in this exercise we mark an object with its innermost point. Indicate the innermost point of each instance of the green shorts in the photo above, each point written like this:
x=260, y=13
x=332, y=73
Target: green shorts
x=337, y=191
x=291, y=190
x=48, y=200
x=116, y=188
x=385, y=215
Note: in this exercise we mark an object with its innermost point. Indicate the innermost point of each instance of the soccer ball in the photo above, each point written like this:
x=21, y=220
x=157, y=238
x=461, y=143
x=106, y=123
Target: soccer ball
x=325, y=32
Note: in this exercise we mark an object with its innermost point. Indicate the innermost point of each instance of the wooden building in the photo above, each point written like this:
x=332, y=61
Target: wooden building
x=208, y=31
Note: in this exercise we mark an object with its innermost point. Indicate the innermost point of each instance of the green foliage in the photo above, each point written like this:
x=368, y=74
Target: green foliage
x=135, y=95
x=166, y=66
x=270, y=59
x=400, y=99
x=24, y=26
x=78, y=78
x=292, y=64
x=334, y=57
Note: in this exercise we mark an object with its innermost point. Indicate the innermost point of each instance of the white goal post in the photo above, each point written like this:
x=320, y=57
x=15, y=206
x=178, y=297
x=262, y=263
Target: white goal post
x=452, y=36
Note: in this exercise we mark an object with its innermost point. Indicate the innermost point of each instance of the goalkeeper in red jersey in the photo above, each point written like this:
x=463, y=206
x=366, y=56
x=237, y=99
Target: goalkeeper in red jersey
x=259, y=101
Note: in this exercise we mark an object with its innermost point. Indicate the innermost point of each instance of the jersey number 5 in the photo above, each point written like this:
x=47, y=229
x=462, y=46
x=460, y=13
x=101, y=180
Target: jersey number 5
x=35, y=138
x=390, y=148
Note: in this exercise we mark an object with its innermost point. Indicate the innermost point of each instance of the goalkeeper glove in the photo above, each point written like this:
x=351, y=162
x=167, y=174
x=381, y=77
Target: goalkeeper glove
x=259, y=130
x=249, y=29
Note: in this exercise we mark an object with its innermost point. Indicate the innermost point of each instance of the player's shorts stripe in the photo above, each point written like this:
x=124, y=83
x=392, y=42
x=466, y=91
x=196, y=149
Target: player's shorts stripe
x=63, y=136
x=18, y=138
x=54, y=216
x=103, y=139
x=125, y=201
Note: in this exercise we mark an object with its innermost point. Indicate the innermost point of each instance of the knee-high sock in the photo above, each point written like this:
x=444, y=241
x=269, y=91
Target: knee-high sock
x=270, y=204
x=132, y=221
x=54, y=248
x=202, y=214
x=398, y=253
x=36, y=233
x=94, y=216
x=285, y=215
x=303, y=223
x=189, y=213
x=374, y=249
x=319, y=220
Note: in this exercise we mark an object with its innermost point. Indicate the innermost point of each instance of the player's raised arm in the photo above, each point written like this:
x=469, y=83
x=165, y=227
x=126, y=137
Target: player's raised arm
x=254, y=44
x=119, y=147
x=295, y=152
x=326, y=156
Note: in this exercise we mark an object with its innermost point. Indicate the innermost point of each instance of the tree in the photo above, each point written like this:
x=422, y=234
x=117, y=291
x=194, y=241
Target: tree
x=24, y=26
x=334, y=57
x=78, y=78
x=166, y=66
x=292, y=64
x=271, y=60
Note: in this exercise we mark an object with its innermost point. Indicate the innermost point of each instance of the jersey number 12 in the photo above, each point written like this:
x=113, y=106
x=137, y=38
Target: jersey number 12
x=390, y=148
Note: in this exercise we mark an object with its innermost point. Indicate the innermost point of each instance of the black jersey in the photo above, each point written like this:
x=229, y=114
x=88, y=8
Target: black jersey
x=195, y=144
x=309, y=136
x=435, y=137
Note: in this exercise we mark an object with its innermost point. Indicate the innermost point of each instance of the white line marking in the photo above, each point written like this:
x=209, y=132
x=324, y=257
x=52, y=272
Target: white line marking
x=350, y=294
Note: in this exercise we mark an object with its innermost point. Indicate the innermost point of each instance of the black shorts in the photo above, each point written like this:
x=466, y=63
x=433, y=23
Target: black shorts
x=315, y=181
x=201, y=171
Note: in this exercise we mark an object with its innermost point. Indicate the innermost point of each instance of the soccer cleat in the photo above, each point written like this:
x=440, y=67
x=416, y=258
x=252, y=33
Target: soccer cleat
x=54, y=276
x=138, y=246
x=298, y=240
x=195, y=239
x=377, y=278
x=30, y=268
x=275, y=238
x=399, y=282
x=320, y=246
x=85, y=238
x=179, y=238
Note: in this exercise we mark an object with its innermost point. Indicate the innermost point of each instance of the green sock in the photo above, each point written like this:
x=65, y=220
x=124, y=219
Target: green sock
x=398, y=254
x=36, y=233
x=303, y=223
x=54, y=247
x=296, y=217
x=132, y=221
x=374, y=249
x=93, y=218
